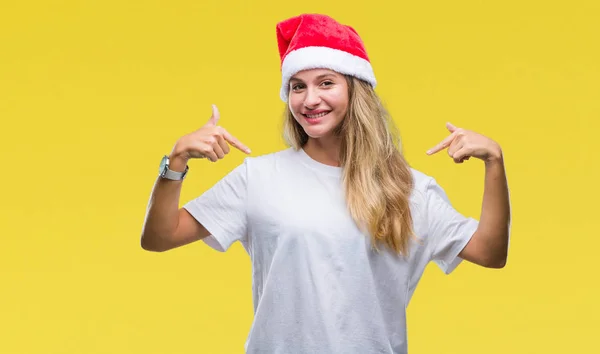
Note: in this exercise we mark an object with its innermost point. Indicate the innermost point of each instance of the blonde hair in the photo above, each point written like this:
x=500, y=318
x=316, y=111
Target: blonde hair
x=377, y=179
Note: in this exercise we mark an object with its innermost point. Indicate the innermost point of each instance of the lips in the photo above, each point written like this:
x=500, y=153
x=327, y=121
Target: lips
x=315, y=114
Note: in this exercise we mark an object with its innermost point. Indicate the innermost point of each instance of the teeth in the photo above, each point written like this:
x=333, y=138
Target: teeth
x=316, y=115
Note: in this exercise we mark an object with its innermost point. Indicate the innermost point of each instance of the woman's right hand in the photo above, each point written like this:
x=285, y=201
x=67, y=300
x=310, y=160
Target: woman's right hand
x=210, y=141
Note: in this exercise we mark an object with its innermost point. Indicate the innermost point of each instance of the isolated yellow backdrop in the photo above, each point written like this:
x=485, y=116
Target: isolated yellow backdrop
x=93, y=93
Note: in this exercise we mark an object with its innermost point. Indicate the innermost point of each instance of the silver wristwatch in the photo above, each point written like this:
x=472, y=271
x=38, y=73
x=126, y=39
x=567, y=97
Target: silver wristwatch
x=165, y=172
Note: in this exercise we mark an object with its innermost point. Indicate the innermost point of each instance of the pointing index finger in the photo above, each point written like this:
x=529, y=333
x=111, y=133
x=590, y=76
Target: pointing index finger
x=442, y=145
x=235, y=142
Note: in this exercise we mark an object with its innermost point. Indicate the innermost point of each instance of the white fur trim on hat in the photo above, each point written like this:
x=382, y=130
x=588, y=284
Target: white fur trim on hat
x=324, y=58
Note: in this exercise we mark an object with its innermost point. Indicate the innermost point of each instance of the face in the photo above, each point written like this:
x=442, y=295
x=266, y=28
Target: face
x=318, y=100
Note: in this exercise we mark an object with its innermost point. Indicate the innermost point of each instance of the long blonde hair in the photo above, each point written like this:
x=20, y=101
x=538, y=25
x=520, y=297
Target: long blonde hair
x=377, y=179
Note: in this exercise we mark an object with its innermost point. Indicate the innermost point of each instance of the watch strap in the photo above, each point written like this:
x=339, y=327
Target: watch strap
x=174, y=175
x=167, y=173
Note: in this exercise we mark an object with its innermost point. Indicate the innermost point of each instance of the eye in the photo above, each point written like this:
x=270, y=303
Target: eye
x=327, y=83
x=296, y=87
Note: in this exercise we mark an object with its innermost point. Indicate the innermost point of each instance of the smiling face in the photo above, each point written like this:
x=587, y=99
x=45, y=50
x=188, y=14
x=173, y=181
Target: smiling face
x=318, y=100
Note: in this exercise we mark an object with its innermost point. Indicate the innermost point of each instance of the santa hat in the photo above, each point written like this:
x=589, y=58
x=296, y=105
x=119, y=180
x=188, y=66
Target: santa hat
x=313, y=41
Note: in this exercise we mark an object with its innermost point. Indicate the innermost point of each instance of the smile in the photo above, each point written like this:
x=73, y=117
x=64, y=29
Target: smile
x=319, y=115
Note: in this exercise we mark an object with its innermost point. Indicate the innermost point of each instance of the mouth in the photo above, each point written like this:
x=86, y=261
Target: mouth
x=317, y=115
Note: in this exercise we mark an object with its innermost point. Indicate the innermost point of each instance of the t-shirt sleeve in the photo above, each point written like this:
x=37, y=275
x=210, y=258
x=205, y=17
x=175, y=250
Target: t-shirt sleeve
x=448, y=230
x=222, y=209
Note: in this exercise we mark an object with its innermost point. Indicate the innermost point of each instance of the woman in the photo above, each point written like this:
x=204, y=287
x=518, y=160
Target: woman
x=338, y=226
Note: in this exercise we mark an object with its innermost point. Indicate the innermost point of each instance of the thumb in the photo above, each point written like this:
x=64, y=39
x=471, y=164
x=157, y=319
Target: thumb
x=450, y=127
x=214, y=119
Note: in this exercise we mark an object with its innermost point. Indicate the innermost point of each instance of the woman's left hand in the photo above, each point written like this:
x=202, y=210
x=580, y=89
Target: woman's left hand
x=463, y=144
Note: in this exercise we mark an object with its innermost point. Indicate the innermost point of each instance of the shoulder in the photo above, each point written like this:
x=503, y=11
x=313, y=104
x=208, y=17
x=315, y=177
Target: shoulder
x=428, y=194
x=251, y=165
x=421, y=182
x=425, y=189
x=284, y=154
x=270, y=160
x=271, y=165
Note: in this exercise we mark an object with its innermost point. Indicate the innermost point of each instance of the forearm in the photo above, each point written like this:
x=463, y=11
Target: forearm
x=162, y=213
x=494, y=225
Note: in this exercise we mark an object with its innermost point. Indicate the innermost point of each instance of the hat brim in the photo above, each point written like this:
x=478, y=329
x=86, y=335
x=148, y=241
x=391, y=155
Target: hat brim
x=324, y=58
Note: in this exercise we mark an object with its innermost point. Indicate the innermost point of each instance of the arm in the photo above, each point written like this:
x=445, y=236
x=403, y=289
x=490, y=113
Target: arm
x=167, y=226
x=489, y=245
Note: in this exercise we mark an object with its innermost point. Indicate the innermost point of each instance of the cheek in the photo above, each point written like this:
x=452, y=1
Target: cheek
x=341, y=104
x=297, y=116
x=294, y=104
x=339, y=98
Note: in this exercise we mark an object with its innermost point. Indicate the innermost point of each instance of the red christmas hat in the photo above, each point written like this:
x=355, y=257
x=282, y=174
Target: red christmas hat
x=313, y=41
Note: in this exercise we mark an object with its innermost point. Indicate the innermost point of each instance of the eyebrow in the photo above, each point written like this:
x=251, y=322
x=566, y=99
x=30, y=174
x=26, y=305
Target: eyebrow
x=317, y=78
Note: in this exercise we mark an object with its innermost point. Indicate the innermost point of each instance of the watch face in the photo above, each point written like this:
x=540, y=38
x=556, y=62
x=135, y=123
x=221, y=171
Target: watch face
x=163, y=164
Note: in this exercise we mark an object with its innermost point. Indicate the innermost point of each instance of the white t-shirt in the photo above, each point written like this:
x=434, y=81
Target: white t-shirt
x=318, y=287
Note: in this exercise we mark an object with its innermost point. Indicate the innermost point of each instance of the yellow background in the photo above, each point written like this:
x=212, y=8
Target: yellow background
x=93, y=93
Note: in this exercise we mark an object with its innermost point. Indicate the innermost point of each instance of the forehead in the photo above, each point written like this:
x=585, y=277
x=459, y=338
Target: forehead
x=311, y=74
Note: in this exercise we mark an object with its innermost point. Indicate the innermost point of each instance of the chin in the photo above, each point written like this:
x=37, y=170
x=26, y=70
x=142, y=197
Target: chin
x=317, y=132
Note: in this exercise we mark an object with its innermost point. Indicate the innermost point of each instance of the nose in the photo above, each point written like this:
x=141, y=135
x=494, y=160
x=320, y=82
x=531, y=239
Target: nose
x=312, y=98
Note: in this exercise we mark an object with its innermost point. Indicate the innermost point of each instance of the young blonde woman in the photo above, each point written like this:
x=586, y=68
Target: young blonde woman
x=339, y=228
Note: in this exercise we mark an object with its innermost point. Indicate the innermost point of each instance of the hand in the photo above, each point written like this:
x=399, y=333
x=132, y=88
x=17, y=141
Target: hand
x=462, y=144
x=210, y=141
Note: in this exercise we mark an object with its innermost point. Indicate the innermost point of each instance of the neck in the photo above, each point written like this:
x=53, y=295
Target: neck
x=324, y=150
